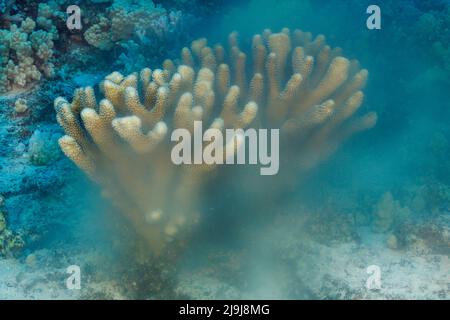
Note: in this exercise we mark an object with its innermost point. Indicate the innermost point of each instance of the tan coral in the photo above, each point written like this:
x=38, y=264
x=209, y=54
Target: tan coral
x=288, y=81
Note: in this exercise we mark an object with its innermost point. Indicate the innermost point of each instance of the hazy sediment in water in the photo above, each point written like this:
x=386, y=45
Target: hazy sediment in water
x=382, y=199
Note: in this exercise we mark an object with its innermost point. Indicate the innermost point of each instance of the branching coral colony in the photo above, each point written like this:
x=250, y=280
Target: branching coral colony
x=288, y=81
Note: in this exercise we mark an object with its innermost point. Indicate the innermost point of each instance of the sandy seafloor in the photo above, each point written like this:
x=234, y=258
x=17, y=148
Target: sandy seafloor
x=305, y=270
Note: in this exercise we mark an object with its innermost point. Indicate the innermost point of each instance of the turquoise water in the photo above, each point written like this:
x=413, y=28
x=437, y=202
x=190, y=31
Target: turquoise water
x=313, y=231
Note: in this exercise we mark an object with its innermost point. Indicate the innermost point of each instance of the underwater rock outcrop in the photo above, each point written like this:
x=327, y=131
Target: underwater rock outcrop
x=287, y=81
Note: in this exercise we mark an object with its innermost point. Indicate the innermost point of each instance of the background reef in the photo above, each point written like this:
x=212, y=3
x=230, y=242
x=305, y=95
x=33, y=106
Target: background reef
x=383, y=199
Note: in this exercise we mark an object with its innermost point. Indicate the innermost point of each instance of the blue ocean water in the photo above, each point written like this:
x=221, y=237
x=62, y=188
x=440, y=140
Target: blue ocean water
x=382, y=198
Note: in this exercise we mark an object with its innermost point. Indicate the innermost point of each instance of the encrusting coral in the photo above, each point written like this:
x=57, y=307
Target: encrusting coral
x=288, y=81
